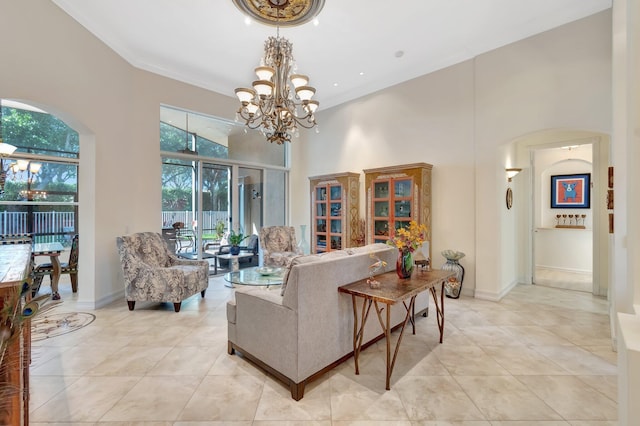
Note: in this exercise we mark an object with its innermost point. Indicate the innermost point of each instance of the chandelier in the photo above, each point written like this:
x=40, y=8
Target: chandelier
x=5, y=151
x=31, y=169
x=279, y=101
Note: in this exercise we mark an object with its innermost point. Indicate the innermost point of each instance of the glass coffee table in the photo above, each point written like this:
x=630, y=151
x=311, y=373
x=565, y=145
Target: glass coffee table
x=255, y=276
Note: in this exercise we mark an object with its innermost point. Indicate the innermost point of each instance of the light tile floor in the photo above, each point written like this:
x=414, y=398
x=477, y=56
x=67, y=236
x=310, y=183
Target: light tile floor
x=567, y=280
x=541, y=356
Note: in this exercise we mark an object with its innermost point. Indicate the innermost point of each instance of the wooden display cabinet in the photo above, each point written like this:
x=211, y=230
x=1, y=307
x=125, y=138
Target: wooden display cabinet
x=335, y=201
x=395, y=196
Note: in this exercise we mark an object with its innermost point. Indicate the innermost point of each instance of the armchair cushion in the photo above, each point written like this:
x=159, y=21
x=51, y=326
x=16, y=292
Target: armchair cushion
x=153, y=273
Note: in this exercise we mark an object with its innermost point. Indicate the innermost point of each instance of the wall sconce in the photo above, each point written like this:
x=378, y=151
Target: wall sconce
x=511, y=173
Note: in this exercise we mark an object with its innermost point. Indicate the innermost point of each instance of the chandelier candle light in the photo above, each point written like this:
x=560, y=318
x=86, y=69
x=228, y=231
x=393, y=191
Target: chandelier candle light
x=279, y=101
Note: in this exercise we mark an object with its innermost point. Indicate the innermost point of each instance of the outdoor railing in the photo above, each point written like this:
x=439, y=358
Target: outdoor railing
x=60, y=226
x=209, y=219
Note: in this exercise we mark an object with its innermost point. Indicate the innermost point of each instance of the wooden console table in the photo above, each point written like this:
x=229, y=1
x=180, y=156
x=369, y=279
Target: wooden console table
x=394, y=290
x=15, y=265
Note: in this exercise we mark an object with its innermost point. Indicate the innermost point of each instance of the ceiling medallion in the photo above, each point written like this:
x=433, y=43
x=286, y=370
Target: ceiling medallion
x=283, y=13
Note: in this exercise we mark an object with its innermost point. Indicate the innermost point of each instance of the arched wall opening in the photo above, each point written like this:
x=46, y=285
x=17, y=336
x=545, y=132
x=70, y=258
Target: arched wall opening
x=86, y=202
x=524, y=149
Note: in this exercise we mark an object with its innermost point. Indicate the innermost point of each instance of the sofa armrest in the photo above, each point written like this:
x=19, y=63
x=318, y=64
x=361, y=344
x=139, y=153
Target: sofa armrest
x=267, y=329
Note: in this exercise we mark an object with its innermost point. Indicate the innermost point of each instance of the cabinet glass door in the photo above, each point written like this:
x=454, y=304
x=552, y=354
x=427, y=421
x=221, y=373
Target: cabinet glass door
x=393, y=209
x=381, y=211
x=320, y=221
x=335, y=192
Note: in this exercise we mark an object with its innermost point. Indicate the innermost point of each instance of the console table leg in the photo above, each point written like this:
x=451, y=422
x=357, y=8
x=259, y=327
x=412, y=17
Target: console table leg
x=439, y=308
x=358, y=331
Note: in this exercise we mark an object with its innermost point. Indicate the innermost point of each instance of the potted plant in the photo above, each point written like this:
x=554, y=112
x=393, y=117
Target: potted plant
x=235, y=240
x=220, y=229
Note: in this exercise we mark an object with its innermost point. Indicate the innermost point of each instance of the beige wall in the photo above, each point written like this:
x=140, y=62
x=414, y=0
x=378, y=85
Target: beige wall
x=53, y=62
x=461, y=119
x=464, y=120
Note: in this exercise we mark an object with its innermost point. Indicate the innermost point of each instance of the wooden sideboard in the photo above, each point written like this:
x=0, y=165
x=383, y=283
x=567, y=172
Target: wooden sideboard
x=15, y=263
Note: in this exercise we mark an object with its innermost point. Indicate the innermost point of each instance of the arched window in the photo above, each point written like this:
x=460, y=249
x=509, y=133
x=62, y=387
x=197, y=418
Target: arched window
x=39, y=179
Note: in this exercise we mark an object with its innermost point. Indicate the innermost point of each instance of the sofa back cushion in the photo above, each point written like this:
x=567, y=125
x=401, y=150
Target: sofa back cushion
x=346, y=267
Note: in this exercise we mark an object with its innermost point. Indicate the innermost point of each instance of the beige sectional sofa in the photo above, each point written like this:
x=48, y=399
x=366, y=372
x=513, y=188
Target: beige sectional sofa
x=307, y=328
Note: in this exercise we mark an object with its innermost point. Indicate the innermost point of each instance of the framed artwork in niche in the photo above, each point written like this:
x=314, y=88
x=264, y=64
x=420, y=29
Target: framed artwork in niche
x=571, y=191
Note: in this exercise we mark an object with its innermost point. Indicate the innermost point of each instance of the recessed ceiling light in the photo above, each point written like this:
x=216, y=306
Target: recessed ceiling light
x=316, y=22
x=335, y=84
x=399, y=54
x=247, y=21
x=361, y=72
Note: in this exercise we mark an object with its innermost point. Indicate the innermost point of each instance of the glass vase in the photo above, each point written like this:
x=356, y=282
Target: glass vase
x=303, y=245
x=454, y=286
x=404, y=264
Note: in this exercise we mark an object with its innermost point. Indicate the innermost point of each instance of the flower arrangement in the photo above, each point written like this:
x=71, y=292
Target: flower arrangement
x=409, y=238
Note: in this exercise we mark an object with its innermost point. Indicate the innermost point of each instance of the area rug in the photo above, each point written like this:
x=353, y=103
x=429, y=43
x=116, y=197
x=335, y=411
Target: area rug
x=55, y=324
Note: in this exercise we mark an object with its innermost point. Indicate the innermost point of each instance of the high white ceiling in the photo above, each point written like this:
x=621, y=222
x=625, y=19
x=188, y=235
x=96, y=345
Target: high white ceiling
x=207, y=42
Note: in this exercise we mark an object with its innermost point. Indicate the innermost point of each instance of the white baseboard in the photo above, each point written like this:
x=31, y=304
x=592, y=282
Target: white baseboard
x=495, y=297
x=571, y=270
x=102, y=302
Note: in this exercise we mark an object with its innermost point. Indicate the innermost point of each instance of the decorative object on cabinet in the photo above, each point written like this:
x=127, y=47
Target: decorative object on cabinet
x=453, y=287
x=335, y=203
x=571, y=191
x=397, y=195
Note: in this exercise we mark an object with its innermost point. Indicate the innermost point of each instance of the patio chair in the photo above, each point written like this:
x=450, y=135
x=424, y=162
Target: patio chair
x=184, y=237
x=70, y=267
x=250, y=248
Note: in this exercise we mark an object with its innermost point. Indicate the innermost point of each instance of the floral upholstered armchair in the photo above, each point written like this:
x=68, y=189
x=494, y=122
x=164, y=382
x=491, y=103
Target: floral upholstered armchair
x=278, y=245
x=152, y=273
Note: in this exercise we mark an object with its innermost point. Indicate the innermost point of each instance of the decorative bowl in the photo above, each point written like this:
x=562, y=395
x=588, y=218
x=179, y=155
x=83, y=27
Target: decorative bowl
x=453, y=255
x=267, y=270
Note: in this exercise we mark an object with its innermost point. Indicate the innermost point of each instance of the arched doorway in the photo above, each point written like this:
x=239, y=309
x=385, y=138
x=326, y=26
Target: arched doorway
x=537, y=203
